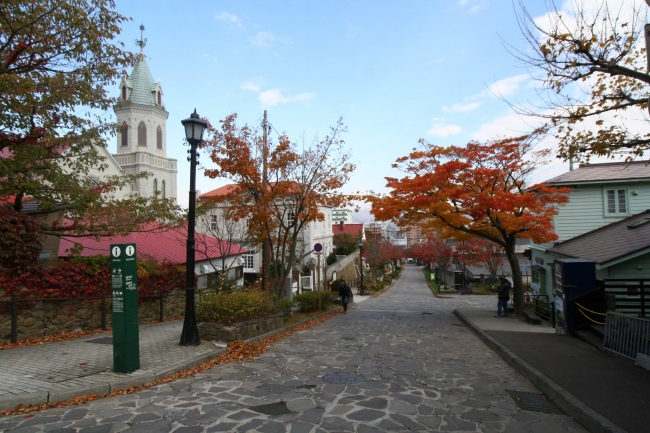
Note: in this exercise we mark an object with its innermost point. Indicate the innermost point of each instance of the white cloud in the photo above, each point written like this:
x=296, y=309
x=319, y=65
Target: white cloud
x=462, y=108
x=229, y=18
x=473, y=5
x=249, y=85
x=262, y=39
x=444, y=129
x=508, y=125
x=274, y=97
x=303, y=97
x=507, y=86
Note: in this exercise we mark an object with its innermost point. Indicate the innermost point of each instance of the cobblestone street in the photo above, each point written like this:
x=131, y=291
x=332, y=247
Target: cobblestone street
x=398, y=362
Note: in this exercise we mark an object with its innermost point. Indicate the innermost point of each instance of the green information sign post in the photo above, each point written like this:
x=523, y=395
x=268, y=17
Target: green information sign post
x=124, y=283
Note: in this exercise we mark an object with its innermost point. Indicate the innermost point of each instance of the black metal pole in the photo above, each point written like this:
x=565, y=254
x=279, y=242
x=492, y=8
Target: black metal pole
x=161, y=307
x=104, y=312
x=363, y=289
x=190, y=334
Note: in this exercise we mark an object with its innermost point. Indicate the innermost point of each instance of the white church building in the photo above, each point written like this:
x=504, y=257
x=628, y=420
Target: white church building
x=142, y=136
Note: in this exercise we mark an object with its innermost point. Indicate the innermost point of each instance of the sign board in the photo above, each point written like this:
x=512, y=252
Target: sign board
x=318, y=247
x=124, y=286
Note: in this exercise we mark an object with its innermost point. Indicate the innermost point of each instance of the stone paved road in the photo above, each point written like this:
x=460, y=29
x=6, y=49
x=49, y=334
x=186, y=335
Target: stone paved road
x=399, y=362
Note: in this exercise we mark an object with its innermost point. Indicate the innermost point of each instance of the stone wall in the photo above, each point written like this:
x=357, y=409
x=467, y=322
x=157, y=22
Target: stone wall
x=241, y=330
x=38, y=319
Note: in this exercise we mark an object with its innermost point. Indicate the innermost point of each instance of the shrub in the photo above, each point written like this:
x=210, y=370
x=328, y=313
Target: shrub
x=331, y=259
x=334, y=287
x=308, y=301
x=227, y=308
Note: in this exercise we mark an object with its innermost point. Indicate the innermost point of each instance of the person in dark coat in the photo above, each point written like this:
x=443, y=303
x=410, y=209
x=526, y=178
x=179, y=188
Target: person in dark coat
x=503, y=294
x=345, y=293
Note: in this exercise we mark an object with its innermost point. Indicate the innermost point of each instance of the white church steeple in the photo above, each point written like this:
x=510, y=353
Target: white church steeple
x=142, y=136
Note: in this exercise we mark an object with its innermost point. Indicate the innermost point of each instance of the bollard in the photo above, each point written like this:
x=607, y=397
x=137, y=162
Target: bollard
x=161, y=311
x=14, y=318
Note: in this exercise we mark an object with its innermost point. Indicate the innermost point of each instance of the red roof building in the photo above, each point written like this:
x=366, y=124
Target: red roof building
x=350, y=229
x=211, y=254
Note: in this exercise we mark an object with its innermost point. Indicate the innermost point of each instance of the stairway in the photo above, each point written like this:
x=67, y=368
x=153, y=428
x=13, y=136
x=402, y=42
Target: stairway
x=591, y=334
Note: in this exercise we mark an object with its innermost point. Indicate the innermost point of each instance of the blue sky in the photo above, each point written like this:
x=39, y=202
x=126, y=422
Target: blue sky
x=396, y=71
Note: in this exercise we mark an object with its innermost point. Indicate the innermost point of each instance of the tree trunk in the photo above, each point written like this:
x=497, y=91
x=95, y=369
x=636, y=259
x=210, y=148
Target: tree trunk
x=518, y=282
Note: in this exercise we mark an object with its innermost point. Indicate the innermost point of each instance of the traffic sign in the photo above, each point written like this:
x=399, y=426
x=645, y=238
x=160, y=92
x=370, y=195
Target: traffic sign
x=318, y=247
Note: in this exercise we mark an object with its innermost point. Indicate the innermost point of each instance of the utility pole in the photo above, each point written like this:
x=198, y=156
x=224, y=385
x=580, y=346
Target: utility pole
x=266, y=248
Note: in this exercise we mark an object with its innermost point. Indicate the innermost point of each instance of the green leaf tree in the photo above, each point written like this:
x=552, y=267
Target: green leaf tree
x=58, y=63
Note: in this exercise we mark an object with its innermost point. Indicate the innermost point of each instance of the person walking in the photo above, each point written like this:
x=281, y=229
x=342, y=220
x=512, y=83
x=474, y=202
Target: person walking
x=345, y=293
x=503, y=294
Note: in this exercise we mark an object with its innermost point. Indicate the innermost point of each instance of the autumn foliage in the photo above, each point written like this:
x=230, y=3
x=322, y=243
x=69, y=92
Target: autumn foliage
x=278, y=185
x=477, y=190
x=89, y=277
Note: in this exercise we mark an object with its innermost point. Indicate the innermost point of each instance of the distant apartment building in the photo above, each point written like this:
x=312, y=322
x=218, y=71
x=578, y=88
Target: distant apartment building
x=413, y=236
x=341, y=215
x=374, y=229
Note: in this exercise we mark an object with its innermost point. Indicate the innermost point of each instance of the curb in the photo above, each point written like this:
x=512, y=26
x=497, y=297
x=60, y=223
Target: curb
x=559, y=396
x=12, y=401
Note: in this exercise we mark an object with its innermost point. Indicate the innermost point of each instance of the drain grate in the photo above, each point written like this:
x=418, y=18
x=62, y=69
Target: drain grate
x=344, y=378
x=103, y=340
x=534, y=402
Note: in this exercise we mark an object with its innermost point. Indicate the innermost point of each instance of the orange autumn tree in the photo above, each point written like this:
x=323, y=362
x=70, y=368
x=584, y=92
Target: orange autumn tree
x=481, y=190
x=279, y=186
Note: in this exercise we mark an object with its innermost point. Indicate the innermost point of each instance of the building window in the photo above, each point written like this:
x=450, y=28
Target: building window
x=213, y=222
x=213, y=279
x=159, y=137
x=249, y=263
x=125, y=134
x=155, y=185
x=163, y=191
x=124, y=92
x=159, y=99
x=142, y=134
x=616, y=201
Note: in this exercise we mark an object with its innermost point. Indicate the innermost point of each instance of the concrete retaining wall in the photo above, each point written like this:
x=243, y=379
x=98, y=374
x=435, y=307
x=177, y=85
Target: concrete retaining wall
x=241, y=330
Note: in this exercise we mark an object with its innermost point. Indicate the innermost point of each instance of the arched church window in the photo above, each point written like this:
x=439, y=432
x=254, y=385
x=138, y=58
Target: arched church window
x=142, y=134
x=155, y=185
x=124, y=92
x=162, y=189
x=159, y=99
x=159, y=137
x=124, y=132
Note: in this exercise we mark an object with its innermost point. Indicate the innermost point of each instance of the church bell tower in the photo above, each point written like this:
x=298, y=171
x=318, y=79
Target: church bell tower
x=142, y=136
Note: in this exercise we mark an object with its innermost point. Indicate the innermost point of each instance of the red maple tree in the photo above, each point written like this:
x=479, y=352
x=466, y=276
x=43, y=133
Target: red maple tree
x=477, y=190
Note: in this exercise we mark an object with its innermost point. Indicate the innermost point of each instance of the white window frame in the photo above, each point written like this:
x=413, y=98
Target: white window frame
x=213, y=222
x=616, y=191
x=249, y=259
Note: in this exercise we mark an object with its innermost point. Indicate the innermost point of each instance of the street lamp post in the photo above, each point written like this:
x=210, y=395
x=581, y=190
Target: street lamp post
x=194, y=128
x=360, y=243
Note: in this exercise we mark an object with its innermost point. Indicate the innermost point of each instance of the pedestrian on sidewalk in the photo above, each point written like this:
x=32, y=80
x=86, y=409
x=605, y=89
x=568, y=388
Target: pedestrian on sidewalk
x=503, y=294
x=345, y=293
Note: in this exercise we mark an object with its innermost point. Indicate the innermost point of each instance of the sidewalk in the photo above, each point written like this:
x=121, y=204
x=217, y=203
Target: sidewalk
x=63, y=370
x=603, y=392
